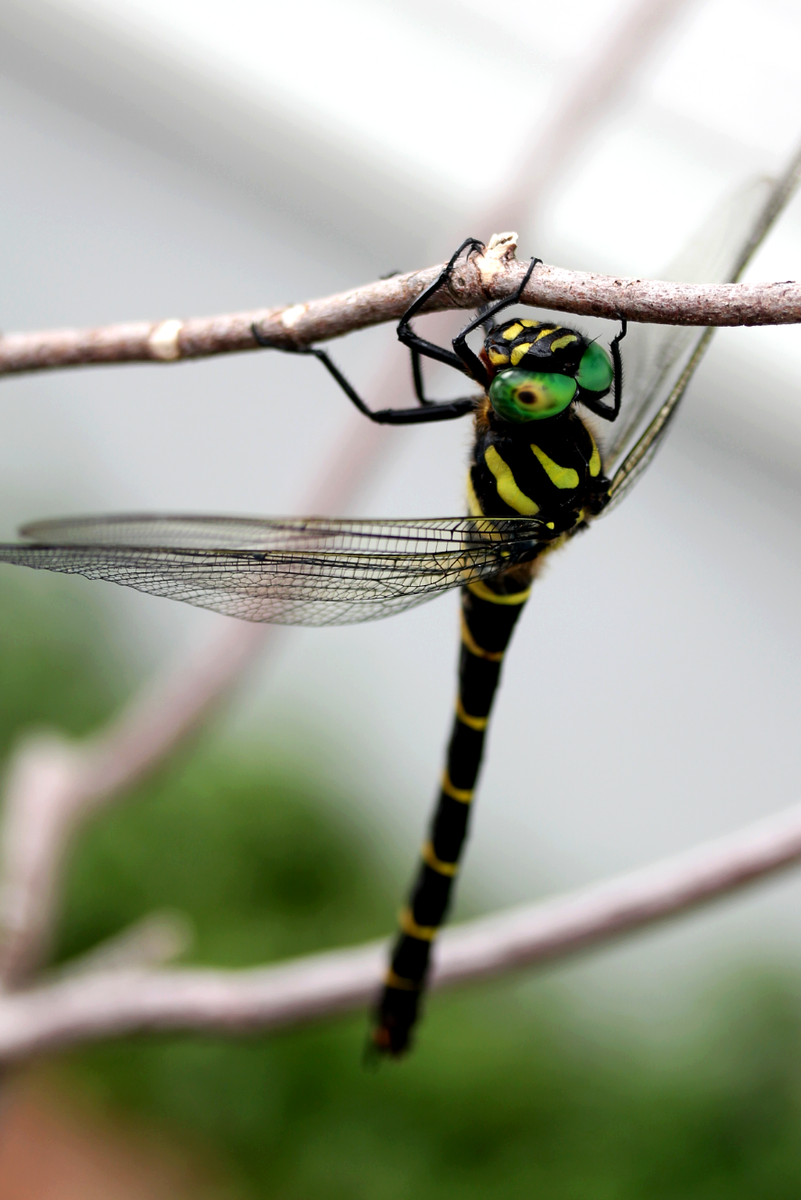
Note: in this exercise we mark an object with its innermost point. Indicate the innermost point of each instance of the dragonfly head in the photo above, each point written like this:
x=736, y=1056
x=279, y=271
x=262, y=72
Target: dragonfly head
x=539, y=369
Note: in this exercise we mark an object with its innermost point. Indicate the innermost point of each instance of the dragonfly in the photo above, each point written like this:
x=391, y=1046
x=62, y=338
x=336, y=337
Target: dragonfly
x=558, y=442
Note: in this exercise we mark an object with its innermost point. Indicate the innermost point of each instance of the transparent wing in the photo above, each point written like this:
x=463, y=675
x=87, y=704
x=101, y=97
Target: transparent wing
x=655, y=356
x=721, y=251
x=292, y=572
x=644, y=449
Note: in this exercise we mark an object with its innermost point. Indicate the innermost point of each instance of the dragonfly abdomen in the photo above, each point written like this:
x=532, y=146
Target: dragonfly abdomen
x=489, y=613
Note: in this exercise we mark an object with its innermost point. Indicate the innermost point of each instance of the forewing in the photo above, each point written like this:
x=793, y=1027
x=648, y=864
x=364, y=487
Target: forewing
x=292, y=572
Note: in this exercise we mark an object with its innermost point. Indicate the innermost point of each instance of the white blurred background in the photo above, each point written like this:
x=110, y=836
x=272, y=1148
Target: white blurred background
x=172, y=159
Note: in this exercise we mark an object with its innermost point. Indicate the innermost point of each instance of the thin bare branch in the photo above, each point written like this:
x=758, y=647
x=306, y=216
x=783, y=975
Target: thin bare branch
x=579, y=292
x=156, y=939
x=114, y=1002
x=51, y=784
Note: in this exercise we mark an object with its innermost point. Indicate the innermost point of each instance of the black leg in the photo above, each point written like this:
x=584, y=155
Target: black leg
x=430, y=410
x=385, y=416
x=609, y=411
x=417, y=365
x=461, y=357
x=472, y=363
x=417, y=376
x=420, y=345
x=485, y=318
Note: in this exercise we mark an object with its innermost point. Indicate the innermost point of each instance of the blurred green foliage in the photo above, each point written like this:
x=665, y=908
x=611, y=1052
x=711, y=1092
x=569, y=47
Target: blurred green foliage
x=505, y=1096
x=59, y=663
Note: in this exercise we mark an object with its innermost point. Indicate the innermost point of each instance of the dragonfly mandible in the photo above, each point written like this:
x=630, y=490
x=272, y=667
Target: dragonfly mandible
x=541, y=471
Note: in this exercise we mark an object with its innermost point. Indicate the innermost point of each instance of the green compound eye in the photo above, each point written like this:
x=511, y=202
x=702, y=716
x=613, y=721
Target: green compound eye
x=530, y=395
x=595, y=371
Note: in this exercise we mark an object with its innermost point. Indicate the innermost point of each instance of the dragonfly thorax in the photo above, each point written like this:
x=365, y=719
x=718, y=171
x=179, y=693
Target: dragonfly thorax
x=549, y=469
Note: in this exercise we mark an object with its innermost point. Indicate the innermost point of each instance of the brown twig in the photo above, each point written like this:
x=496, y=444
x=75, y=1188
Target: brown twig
x=474, y=283
x=106, y=1003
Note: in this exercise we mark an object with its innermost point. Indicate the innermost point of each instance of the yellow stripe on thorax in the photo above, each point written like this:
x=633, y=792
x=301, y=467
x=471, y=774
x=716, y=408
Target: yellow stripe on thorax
x=436, y=864
x=561, y=477
x=595, y=458
x=463, y=795
x=426, y=933
x=508, y=490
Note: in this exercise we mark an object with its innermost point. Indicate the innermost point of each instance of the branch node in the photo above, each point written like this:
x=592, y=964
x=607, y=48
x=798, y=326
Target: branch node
x=291, y=316
x=163, y=341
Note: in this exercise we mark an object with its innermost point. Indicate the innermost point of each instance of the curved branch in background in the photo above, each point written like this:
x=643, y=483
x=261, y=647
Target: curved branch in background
x=604, y=79
x=106, y=1003
x=476, y=281
x=52, y=783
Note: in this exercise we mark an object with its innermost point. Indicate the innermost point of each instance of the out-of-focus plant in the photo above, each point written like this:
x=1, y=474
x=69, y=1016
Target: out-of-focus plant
x=515, y=1095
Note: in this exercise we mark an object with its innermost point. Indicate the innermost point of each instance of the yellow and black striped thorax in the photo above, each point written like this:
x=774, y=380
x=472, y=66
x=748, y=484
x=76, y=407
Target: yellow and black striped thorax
x=549, y=469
